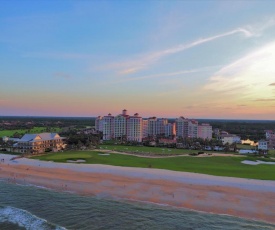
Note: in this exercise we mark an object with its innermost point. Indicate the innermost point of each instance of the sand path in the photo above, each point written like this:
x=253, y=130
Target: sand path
x=208, y=154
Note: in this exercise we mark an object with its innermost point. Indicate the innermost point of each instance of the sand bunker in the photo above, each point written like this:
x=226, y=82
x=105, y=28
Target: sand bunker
x=76, y=161
x=247, y=162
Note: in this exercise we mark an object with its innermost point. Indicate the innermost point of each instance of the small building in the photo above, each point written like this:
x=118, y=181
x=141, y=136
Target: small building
x=216, y=132
x=230, y=139
x=263, y=145
x=247, y=151
x=6, y=139
x=269, y=134
x=218, y=148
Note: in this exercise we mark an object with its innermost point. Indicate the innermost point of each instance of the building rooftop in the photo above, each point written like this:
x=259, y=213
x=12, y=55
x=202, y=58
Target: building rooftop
x=40, y=137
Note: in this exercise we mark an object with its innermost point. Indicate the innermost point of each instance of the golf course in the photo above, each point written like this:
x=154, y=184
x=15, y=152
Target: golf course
x=230, y=166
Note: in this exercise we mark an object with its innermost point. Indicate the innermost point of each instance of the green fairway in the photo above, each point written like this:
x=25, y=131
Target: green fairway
x=145, y=149
x=220, y=166
x=23, y=131
x=271, y=153
x=240, y=146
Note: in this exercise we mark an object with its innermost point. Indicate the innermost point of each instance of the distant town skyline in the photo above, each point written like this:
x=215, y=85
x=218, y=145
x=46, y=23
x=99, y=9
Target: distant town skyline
x=197, y=59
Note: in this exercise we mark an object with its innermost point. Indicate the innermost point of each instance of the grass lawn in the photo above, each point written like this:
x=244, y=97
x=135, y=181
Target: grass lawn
x=145, y=149
x=240, y=146
x=271, y=153
x=220, y=166
x=23, y=131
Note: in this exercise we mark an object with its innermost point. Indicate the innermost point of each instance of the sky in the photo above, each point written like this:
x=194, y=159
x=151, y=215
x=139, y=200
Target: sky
x=197, y=59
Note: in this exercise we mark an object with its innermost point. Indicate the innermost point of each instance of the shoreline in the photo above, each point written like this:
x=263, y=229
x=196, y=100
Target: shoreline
x=245, y=198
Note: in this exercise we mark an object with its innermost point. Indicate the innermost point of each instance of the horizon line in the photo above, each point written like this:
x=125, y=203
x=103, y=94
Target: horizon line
x=39, y=116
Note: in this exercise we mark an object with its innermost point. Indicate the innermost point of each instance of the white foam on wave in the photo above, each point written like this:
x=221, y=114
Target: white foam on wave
x=252, y=222
x=39, y=186
x=25, y=219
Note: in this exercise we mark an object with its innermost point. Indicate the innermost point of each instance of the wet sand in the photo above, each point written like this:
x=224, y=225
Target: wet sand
x=247, y=198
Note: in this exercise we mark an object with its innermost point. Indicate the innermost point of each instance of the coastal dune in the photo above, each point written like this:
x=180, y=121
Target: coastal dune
x=247, y=198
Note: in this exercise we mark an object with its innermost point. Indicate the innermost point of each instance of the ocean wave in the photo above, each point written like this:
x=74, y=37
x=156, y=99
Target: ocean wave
x=36, y=186
x=25, y=219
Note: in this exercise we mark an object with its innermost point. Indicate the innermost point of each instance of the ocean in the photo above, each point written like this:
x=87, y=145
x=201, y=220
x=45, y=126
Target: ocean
x=35, y=208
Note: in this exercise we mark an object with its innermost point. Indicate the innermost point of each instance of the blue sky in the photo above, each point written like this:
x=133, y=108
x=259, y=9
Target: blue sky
x=198, y=59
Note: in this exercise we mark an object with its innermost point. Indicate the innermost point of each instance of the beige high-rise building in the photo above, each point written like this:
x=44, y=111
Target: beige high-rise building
x=134, y=128
x=193, y=128
x=108, y=127
x=99, y=124
x=120, y=125
x=186, y=127
x=156, y=126
x=170, y=130
x=145, y=128
x=181, y=127
x=205, y=131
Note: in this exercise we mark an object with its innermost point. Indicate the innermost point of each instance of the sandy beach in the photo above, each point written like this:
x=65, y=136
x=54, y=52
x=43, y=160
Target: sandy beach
x=247, y=198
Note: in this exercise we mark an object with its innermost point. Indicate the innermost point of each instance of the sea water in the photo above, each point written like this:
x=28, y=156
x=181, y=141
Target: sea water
x=34, y=208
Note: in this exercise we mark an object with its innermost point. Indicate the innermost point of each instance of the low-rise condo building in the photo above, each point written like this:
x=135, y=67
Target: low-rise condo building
x=39, y=143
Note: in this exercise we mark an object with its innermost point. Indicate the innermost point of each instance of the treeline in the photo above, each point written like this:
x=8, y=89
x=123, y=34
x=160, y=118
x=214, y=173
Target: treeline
x=253, y=130
x=77, y=140
x=12, y=123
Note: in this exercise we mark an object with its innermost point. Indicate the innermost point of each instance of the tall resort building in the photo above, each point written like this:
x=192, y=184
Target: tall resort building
x=186, y=128
x=134, y=128
x=170, y=130
x=161, y=122
x=145, y=128
x=99, y=124
x=193, y=128
x=156, y=126
x=205, y=131
x=120, y=125
x=181, y=127
x=108, y=127
x=152, y=126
